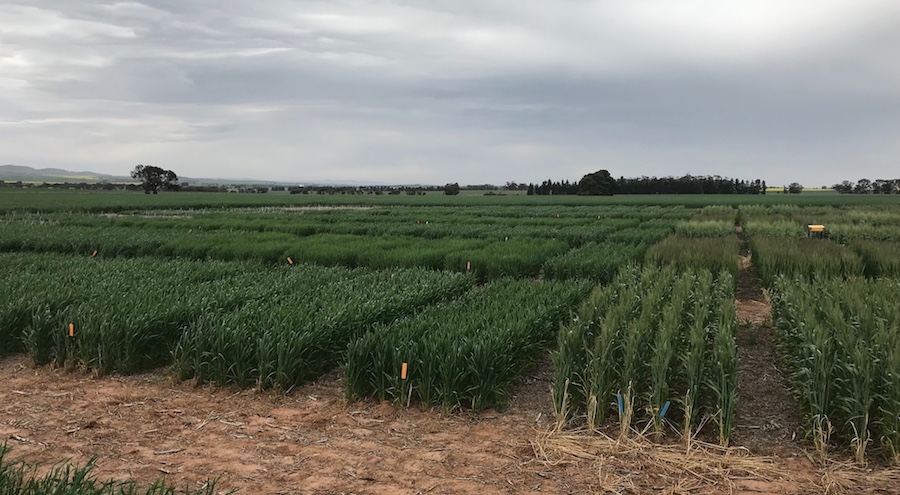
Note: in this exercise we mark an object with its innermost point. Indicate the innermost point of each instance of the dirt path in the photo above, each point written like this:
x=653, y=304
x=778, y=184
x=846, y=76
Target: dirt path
x=767, y=421
x=311, y=441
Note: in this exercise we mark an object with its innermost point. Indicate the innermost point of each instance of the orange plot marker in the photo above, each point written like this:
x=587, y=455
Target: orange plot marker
x=468, y=266
x=71, y=329
x=94, y=253
x=403, y=370
x=290, y=261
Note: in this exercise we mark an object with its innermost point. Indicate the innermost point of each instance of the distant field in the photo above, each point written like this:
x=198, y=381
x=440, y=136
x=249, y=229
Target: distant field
x=114, y=201
x=807, y=190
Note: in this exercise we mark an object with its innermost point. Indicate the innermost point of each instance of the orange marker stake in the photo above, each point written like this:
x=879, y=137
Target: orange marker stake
x=468, y=266
x=94, y=253
x=71, y=329
x=290, y=261
x=403, y=370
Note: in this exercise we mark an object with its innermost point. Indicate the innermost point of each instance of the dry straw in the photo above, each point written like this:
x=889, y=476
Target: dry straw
x=630, y=464
x=636, y=464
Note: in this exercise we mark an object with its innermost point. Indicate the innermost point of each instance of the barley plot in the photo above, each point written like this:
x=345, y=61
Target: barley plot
x=462, y=353
x=841, y=341
x=684, y=321
x=302, y=330
x=224, y=322
x=810, y=258
x=716, y=254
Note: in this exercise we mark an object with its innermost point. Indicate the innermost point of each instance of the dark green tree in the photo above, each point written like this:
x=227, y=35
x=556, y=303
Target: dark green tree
x=155, y=178
x=863, y=186
x=451, y=189
x=599, y=183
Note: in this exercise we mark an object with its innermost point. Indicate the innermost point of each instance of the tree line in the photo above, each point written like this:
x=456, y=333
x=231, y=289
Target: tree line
x=866, y=186
x=600, y=183
x=154, y=179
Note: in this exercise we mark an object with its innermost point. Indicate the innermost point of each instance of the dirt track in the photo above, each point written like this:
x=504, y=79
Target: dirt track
x=312, y=441
x=264, y=443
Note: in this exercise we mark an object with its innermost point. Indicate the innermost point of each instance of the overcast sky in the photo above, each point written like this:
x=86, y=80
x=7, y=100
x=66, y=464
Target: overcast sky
x=448, y=90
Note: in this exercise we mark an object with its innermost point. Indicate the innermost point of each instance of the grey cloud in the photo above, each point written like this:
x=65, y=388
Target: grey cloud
x=436, y=91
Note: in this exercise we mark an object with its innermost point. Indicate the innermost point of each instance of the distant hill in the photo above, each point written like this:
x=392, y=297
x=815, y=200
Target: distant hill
x=55, y=175
x=29, y=174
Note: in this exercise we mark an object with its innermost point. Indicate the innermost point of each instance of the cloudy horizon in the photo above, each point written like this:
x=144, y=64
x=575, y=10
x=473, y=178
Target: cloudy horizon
x=450, y=91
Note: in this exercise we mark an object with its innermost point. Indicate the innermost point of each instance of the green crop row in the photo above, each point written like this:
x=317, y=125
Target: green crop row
x=843, y=224
x=847, y=232
x=433, y=223
x=838, y=231
x=656, y=345
x=774, y=227
x=841, y=342
x=485, y=258
x=882, y=259
x=705, y=228
x=301, y=330
x=127, y=315
x=598, y=262
x=809, y=258
x=13, y=199
x=872, y=214
x=648, y=232
x=463, y=353
x=726, y=213
x=716, y=254
x=123, y=312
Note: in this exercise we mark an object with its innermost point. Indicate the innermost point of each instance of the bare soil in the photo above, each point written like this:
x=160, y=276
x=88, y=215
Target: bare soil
x=313, y=441
x=767, y=421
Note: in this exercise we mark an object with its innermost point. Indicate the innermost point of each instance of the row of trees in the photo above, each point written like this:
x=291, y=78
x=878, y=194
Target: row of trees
x=601, y=183
x=689, y=184
x=550, y=188
x=866, y=186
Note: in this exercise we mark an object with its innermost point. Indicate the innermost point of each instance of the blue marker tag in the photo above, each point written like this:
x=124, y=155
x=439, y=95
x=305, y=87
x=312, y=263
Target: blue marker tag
x=665, y=409
x=621, y=406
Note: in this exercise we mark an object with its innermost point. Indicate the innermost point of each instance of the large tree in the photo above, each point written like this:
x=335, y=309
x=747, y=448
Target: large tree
x=794, y=188
x=154, y=178
x=599, y=183
x=452, y=189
